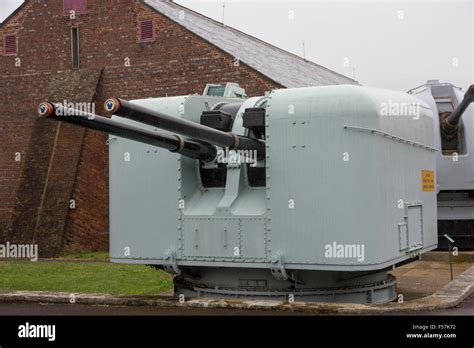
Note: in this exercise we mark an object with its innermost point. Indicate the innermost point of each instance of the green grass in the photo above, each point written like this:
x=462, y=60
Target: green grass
x=83, y=277
x=89, y=255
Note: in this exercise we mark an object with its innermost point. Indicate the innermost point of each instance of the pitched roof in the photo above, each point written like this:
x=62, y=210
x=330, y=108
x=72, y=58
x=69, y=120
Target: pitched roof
x=281, y=66
x=18, y=9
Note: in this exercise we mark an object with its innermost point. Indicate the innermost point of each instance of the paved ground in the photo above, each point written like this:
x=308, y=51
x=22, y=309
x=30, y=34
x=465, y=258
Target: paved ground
x=466, y=308
x=425, y=277
x=55, y=309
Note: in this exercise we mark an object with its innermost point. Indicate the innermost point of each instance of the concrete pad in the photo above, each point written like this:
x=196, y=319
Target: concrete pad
x=423, y=278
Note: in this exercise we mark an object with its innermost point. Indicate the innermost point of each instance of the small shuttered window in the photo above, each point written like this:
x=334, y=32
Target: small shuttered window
x=78, y=6
x=146, y=30
x=10, y=45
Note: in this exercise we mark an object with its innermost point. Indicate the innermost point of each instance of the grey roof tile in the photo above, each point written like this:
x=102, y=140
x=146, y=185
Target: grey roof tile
x=281, y=66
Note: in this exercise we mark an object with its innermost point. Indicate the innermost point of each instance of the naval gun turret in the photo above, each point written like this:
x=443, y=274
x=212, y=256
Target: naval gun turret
x=449, y=123
x=294, y=195
x=453, y=119
x=454, y=131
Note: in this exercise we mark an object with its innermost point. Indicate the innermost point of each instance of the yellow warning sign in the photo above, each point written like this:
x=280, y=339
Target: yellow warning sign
x=428, y=180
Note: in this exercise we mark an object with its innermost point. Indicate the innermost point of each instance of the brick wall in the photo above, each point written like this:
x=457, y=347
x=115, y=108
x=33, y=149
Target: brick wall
x=176, y=63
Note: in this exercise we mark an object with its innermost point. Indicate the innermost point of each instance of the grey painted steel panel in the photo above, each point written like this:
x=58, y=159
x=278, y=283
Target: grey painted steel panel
x=145, y=192
x=415, y=226
x=352, y=202
x=139, y=199
x=211, y=238
x=248, y=263
x=137, y=215
x=253, y=239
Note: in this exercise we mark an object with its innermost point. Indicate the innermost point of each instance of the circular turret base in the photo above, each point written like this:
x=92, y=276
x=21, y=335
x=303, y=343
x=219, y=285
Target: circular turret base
x=301, y=286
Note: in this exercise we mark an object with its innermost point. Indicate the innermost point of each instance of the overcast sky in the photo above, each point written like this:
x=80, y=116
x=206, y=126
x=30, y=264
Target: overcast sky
x=389, y=44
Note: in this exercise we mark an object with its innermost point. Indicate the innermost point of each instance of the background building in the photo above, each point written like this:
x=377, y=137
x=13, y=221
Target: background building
x=54, y=176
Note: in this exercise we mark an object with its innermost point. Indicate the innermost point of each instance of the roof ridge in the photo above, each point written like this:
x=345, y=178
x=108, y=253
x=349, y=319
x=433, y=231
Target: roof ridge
x=254, y=38
x=18, y=9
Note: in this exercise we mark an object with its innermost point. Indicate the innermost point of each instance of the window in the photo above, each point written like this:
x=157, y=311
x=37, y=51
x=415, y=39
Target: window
x=146, y=30
x=75, y=47
x=78, y=6
x=216, y=91
x=10, y=45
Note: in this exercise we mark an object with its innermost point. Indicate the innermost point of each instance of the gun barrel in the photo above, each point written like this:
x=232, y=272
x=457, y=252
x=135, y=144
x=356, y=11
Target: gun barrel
x=174, y=143
x=455, y=117
x=191, y=129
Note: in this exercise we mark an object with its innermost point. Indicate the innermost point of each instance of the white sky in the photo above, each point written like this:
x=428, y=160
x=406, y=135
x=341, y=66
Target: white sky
x=391, y=44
